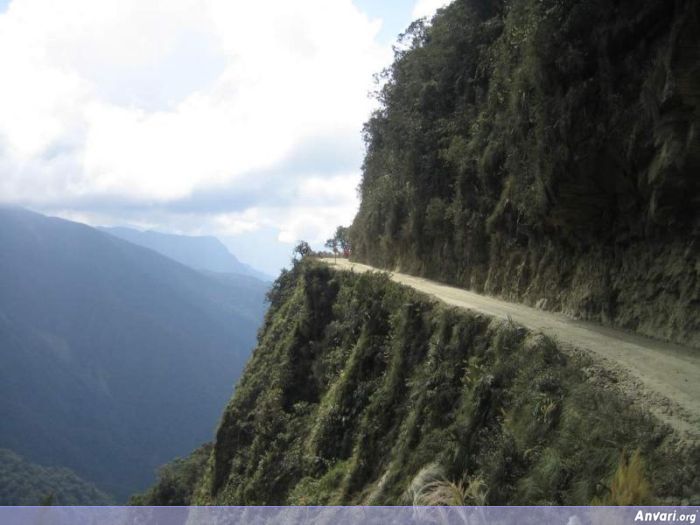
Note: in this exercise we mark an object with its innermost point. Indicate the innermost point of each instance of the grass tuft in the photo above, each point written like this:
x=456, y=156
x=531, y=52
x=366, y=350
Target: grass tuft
x=431, y=488
x=629, y=484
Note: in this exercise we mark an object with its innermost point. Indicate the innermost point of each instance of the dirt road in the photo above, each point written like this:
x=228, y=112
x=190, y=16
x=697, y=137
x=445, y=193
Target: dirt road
x=660, y=377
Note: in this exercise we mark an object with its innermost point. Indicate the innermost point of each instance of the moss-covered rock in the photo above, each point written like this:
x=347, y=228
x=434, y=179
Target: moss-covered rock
x=545, y=151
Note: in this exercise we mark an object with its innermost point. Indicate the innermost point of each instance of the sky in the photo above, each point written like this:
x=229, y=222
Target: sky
x=239, y=119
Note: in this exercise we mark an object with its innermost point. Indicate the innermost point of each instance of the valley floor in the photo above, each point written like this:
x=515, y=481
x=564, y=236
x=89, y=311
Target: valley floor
x=660, y=377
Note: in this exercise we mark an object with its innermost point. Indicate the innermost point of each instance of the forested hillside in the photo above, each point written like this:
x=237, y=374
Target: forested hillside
x=113, y=359
x=545, y=151
x=24, y=483
x=362, y=391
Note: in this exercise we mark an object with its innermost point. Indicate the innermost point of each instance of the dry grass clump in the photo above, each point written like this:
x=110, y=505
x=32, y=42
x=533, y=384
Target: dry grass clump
x=430, y=487
x=629, y=484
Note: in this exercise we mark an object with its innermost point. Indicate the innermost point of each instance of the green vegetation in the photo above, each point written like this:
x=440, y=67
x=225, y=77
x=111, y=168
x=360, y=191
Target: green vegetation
x=545, y=151
x=25, y=483
x=113, y=358
x=542, y=150
x=302, y=249
x=340, y=242
x=176, y=480
x=364, y=391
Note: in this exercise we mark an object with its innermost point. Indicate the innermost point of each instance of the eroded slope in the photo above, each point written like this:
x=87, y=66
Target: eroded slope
x=364, y=391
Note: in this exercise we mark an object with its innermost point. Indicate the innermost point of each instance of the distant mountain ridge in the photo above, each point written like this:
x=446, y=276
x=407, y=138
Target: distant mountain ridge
x=198, y=252
x=113, y=358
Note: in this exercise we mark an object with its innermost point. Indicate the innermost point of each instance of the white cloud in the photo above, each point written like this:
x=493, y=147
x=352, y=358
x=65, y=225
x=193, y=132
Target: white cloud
x=320, y=204
x=152, y=101
x=325, y=204
x=427, y=8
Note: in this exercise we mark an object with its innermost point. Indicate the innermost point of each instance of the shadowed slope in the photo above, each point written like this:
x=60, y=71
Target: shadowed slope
x=113, y=358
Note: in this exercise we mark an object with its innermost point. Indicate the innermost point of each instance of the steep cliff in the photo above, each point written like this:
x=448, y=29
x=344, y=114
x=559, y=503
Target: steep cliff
x=363, y=391
x=545, y=151
x=113, y=358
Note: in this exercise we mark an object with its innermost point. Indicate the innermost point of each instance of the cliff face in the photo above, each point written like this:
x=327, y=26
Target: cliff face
x=542, y=150
x=363, y=391
x=545, y=151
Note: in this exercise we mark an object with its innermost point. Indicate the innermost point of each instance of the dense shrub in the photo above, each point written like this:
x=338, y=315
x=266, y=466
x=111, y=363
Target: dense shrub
x=535, y=149
x=364, y=391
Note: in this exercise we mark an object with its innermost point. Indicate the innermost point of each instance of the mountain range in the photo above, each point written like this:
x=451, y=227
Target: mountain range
x=199, y=252
x=114, y=359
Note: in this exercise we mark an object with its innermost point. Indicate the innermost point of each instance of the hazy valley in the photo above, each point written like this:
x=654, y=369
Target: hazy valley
x=115, y=359
x=544, y=153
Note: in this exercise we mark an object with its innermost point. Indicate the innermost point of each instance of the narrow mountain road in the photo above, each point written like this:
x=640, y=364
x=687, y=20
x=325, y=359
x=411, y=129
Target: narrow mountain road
x=660, y=377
